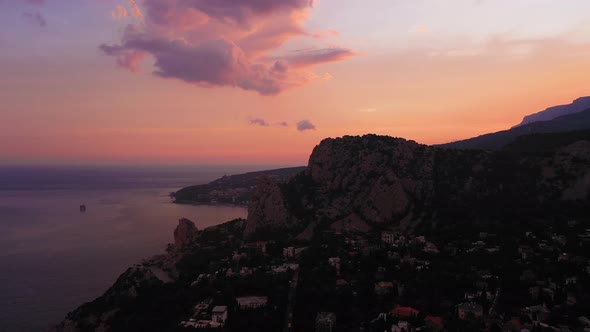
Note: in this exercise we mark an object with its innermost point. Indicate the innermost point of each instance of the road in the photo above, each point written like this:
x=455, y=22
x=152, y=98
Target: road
x=291, y=302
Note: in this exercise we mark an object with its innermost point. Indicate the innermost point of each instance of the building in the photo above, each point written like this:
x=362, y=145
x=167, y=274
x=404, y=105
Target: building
x=325, y=322
x=289, y=252
x=252, y=302
x=538, y=313
x=404, y=312
x=434, y=323
x=466, y=310
x=402, y=326
x=388, y=237
x=384, y=287
x=255, y=247
x=219, y=314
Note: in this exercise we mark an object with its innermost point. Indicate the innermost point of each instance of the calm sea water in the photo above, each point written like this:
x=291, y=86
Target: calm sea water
x=54, y=258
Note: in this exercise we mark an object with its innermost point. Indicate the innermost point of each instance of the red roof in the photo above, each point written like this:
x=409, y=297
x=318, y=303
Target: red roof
x=434, y=320
x=404, y=312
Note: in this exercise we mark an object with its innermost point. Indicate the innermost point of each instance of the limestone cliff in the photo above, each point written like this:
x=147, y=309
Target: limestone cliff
x=185, y=233
x=267, y=208
x=358, y=183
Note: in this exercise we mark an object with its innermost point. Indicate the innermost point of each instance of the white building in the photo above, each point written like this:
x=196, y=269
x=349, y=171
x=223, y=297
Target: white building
x=252, y=302
x=219, y=314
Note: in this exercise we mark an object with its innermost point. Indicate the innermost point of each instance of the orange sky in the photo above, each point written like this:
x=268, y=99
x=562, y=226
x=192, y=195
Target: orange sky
x=63, y=101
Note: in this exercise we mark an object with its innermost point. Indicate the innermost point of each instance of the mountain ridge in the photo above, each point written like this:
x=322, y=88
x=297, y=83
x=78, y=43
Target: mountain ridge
x=497, y=140
x=578, y=105
x=370, y=181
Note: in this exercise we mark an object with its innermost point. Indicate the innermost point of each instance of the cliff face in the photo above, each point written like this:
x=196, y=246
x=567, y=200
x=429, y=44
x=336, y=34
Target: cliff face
x=185, y=233
x=350, y=182
x=378, y=181
x=267, y=208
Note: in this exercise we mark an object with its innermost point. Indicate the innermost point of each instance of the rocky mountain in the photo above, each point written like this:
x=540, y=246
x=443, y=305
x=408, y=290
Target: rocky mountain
x=233, y=189
x=578, y=105
x=380, y=182
x=495, y=141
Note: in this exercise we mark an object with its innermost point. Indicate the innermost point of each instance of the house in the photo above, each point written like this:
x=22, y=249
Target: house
x=434, y=323
x=388, y=237
x=571, y=280
x=537, y=313
x=404, y=312
x=201, y=311
x=207, y=324
x=219, y=314
x=335, y=263
x=431, y=248
x=383, y=288
x=325, y=322
x=252, y=302
x=289, y=252
x=402, y=326
x=256, y=247
x=466, y=310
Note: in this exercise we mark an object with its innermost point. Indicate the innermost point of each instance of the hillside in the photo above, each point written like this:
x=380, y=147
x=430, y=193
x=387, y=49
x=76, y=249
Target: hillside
x=495, y=141
x=233, y=189
x=380, y=182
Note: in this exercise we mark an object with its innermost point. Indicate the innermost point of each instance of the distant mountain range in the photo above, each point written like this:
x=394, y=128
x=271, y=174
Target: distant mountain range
x=573, y=117
x=578, y=105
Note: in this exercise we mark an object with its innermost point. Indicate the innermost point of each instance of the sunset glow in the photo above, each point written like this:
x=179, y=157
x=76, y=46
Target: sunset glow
x=201, y=82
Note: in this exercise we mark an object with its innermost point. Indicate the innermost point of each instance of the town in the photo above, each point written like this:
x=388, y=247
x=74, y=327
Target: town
x=522, y=279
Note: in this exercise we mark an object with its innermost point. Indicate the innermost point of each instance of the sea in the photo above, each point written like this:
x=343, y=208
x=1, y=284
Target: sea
x=53, y=257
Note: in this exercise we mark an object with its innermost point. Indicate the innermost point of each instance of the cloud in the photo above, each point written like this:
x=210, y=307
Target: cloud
x=327, y=76
x=305, y=58
x=36, y=18
x=305, y=125
x=120, y=12
x=215, y=43
x=135, y=10
x=282, y=124
x=259, y=122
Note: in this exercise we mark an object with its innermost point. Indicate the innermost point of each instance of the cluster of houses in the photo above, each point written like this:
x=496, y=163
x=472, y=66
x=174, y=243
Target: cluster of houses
x=547, y=296
x=206, y=316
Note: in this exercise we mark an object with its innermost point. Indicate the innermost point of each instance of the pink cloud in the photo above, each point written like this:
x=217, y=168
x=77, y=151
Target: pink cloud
x=306, y=58
x=36, y=18
x=304, y=125
x=223, y=43
x=119, y=12
x=135, y=10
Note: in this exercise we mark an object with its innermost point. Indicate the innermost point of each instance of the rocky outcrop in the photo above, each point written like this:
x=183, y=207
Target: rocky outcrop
x=351, y=182
x=185, y=233
x=267, y=208
x=376, y=178
x=359, y=183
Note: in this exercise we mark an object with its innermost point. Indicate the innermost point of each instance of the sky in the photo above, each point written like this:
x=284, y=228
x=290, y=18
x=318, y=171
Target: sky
x=215, y=82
